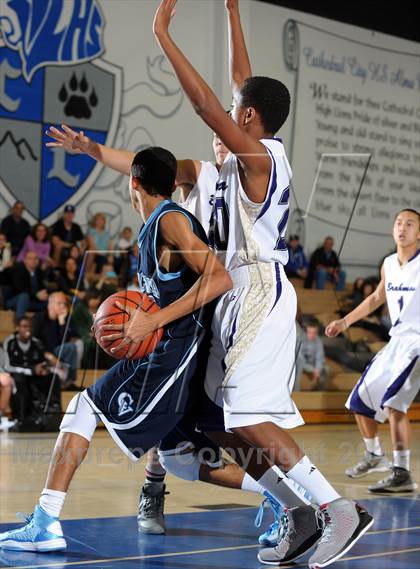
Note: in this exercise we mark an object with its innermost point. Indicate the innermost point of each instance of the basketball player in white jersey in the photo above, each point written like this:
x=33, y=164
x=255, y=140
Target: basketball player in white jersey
x=251, y=362
x=392, y=379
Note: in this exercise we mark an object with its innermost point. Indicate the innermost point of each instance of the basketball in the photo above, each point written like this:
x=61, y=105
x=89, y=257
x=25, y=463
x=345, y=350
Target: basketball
x=109, y=313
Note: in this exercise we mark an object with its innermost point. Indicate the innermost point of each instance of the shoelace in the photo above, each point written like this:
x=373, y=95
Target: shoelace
x=323, y=522
x=153, y=504
x=283, y=527
x=260, y=514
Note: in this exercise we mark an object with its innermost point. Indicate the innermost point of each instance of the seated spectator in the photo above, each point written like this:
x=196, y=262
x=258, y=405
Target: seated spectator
x=76, y=254
x=82, y=317
x=324, y=265
x=6, y=262
x=311, y=358
x=124, y=244
x=107, y=282
x=297, y=265
x=69, y=281
x=374, y=322
x=65, y=233
x=28, y=286
x=39, y=241
x=15, y=227
x=129, y=265
x=30, y=366
x=6, y=390
x=99, y=240
x=54, y=328
x=357, y=294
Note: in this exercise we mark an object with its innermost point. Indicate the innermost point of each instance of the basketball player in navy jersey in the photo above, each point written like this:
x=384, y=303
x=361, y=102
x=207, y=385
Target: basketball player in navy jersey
x=247, y=231
x=177, y=269
x=392, y=379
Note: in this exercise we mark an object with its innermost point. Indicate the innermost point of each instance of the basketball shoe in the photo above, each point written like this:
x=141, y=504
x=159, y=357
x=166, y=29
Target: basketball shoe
x=41, y=533
x=400, y=480
x=150, y=518
x=369, y=463
x=343, y=523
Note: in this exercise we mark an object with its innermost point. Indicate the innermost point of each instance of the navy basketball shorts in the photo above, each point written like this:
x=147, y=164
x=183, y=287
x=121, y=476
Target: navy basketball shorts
x=141, y=401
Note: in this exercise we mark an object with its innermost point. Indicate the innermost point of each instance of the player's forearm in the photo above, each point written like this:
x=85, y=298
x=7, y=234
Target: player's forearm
x=119, y=160
x=206, y=288
x=369, y=305
x=239, y=63
x=202, y=98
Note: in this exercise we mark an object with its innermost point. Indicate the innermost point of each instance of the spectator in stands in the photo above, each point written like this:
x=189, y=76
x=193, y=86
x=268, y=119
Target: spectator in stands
x=76, y=254
x=16, y=227
x=69, y=282
x=124, y=244
x=28, y=286
x=54, y=328
x=39, y=241
x=129, y=265
x=6, y=390
x=297, y=265
x=107, y=283
x=83, y=311
x=65, y=233
x=324, y=265
x=311, y=358
x=5, y=263
x=98, y=239
x=30, y=366
x=357, y=294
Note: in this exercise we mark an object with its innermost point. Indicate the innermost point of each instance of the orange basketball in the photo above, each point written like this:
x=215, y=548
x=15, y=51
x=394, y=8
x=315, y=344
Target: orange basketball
x=109, y=313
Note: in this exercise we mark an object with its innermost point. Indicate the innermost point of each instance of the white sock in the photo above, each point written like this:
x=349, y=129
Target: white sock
x=276, y=483
x=374, y=446
x=308, y=476
x=51, y=501
x=402, y=458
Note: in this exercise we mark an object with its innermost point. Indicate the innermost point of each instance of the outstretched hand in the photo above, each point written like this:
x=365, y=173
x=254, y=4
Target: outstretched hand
x=336, y=327
x=69, y=139
x=163, y=16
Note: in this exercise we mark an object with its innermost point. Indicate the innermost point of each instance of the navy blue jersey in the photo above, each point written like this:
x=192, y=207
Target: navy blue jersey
x=162, y=286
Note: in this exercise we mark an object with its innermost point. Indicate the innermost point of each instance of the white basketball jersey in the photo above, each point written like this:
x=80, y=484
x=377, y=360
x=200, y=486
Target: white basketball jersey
x=402, y=286
x=200, y=200
x=243, y=232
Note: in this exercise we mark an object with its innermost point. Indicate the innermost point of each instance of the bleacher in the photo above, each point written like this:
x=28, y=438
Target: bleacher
x=316, y=406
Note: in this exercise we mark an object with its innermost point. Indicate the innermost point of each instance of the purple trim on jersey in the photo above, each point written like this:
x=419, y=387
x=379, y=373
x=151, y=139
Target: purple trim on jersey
x=278, y=139
x=356, y=404
x=279, y=287
x=230, y=341
x=273, y=187
x=414, y=256
x=398, y=383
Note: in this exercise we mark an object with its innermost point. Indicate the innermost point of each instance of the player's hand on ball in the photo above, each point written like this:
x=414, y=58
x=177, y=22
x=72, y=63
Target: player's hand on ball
x=163, y=16
x=335, y=327
x=69, y=139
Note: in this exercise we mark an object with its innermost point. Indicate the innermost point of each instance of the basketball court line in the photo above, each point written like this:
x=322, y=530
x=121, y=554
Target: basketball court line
x=222, y=550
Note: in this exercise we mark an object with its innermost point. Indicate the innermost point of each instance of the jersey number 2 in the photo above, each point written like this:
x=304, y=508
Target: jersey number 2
x=281, y=227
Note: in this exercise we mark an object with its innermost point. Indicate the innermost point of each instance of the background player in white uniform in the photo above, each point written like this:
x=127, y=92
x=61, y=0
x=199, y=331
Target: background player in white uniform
x=248, y=227
x=392, y=379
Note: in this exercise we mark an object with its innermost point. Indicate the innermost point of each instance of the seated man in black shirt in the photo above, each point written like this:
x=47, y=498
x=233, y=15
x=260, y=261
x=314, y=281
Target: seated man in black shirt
x=324, y=265
x=57, y=334
x=28, y=284
x=65, y=233
x=31, y=368
x=15, y=227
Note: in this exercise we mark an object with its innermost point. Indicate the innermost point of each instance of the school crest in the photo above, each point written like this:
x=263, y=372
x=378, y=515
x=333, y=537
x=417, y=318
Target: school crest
x=51, y=72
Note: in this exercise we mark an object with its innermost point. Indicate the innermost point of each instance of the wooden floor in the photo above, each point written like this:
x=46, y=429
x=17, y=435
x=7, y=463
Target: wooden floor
x=108, y=484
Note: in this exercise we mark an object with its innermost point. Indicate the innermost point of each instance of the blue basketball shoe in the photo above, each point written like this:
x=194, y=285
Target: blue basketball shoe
x=270, y=537
x=41, y=533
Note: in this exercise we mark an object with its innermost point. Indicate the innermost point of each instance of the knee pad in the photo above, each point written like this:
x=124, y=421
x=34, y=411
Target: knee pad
x=79, y=418
x=185, y=466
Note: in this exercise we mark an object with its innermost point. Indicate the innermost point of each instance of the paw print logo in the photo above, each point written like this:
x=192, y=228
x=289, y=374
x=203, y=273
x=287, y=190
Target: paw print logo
x=78, y=97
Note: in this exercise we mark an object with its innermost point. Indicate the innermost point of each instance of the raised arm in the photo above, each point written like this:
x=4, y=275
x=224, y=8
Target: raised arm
x=79, y=143
x=369, y=305
x=239, y=63
x=251, y=153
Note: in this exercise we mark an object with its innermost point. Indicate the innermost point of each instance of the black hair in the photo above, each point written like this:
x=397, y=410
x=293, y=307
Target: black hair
x=411, y=211
x=21, y=319
x=155, y=168
x=270, y=98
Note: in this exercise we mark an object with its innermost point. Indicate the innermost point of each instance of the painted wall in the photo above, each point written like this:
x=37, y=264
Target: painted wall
x=354, y=92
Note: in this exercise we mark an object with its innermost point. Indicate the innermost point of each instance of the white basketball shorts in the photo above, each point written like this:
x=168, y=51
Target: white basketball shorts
x=251, y=368
x=392, y=379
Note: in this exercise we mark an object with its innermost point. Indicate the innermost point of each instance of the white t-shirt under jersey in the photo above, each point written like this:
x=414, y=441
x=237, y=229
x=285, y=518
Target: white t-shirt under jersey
x=200, y=200
x=402, y=287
